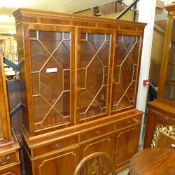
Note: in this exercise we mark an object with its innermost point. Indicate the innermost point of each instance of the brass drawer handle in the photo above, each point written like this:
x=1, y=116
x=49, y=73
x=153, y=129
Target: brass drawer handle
x=129, y=122
x=5, y=160
x=8, y=158
x=173, y=145
x=98, y=132
x=58, y=146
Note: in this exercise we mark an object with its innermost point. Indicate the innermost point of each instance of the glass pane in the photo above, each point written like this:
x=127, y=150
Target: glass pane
x=93, y=73
x=125, y=72
x=170, y=91
x=173, y=33
x=172, y=52
x=171, y=72
x=170, y=77
x=1, y=125
x=50, y=63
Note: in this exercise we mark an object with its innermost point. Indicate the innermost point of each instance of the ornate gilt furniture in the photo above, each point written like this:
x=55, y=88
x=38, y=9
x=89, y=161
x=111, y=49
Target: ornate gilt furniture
x=98, y=163
x=162, y=111
x=164, y=137
x=80, y=77
x=9, y=156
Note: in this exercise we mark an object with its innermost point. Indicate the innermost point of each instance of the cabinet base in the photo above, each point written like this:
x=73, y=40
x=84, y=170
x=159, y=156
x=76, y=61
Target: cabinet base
x=60, y=152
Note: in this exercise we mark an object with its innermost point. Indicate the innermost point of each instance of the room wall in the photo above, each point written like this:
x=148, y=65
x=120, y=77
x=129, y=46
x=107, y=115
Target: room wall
x=168, y=2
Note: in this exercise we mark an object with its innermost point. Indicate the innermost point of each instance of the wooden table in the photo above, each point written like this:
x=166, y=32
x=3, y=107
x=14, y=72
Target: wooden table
x=155, y=161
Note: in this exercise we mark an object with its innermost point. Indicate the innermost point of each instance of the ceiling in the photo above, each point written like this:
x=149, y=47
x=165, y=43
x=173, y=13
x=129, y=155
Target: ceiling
x=7, y=23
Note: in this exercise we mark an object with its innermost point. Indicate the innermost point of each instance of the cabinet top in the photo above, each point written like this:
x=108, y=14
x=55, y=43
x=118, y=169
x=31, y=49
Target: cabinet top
x=37, y=16
x=170, y=7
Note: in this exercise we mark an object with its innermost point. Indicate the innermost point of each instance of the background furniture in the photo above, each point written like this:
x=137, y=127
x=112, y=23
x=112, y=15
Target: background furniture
x=155, y=161
x=164, y=137
x=79, y=86
x=95, y=164
x=9, y=156
x=162, y=110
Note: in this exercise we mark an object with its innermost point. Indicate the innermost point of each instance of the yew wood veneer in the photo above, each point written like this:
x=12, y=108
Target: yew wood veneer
x=79, y=86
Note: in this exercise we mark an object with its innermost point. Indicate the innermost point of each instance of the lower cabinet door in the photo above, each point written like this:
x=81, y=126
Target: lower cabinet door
x=63, y=163
x=126, y=145
x=103, y=144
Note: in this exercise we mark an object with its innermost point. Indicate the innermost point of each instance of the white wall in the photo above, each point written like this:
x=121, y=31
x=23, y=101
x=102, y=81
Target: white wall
x=168, y=2
x=146, y=15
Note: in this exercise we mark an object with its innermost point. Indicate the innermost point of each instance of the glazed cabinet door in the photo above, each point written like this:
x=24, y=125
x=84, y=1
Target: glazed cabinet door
x=1, y=125
x=169, y=66
x=63, y=163
x=5, y=133
x=126, y=70
x=126, y=144
x=48, y=63
x=93, y=69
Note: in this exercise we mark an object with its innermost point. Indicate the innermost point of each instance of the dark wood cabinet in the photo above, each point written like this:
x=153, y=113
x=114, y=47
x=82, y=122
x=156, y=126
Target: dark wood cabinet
x=159, y=114
x=79, y=83
x=162, y=110
x=9, y=156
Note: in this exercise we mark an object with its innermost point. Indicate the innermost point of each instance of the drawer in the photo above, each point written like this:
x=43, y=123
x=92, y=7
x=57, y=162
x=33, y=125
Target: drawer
x=126, y=123
x=96, y=132
x=14, y=169
x=55, y=145
x=8, y=158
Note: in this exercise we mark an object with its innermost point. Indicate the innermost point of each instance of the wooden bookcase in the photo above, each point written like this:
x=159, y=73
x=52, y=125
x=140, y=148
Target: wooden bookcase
x=162, y=110
x=80, y=76
x=9, y=156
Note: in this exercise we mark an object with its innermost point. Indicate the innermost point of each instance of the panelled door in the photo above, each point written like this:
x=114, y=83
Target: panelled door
x=50, y=57
x=93, y=71
x=126, y=70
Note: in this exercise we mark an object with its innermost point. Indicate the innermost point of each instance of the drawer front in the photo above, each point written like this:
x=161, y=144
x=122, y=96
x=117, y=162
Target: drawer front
x=126, y=123
x=15, y=169
x=55, y=145
x=8, y=158
x=96, y=132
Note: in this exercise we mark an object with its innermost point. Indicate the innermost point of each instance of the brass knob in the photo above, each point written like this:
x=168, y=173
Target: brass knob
x=129, y=122
x=57, y=145
x=98, y=132
x=8, y=158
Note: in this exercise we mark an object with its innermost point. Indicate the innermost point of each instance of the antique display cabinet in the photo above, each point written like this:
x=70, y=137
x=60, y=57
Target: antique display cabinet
x=162, y=111
x=9, y=156
x=79, y=84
